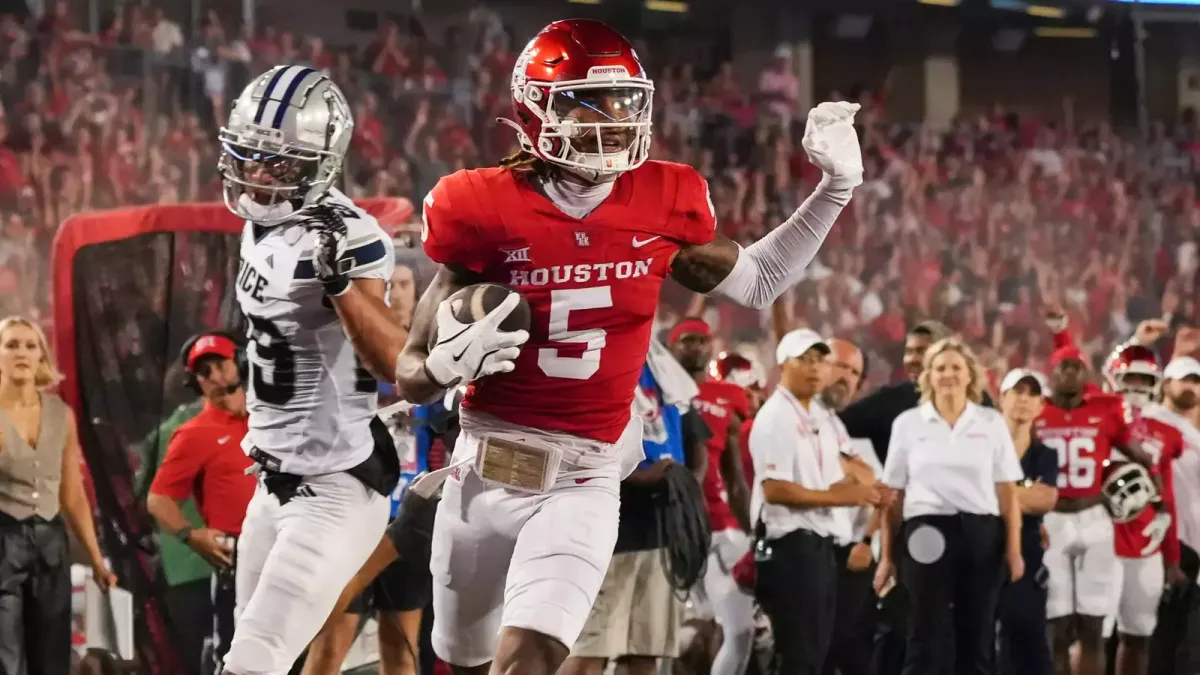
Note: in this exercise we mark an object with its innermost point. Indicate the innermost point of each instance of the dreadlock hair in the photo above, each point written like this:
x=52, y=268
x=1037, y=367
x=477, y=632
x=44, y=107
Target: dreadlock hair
x=525, y=162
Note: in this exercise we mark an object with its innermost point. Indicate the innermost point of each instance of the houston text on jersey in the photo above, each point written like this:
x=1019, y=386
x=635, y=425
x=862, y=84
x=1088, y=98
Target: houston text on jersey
x=581, y=274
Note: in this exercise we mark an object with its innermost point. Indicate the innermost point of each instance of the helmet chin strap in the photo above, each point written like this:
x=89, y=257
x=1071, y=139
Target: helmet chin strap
x=265, y=212
x=592, y=176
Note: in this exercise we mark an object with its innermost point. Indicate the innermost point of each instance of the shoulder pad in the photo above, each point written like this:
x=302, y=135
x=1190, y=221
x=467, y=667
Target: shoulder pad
x=690, y=217
x=450, y=220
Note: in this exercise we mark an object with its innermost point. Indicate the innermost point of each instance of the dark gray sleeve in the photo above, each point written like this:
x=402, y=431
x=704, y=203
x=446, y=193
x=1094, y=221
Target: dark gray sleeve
x=695, y=431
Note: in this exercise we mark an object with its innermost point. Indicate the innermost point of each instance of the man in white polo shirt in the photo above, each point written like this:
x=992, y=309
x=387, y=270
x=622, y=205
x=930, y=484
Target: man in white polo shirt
x=1179, y=614
x=805, y=473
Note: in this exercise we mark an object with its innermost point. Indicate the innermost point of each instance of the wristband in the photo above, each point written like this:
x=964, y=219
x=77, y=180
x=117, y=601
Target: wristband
x=336, y=286
x=184, y=534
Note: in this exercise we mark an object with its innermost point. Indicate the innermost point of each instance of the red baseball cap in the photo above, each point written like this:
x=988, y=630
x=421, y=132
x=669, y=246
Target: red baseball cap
x=210, y=344
x=688, y=327
x=1068, y=353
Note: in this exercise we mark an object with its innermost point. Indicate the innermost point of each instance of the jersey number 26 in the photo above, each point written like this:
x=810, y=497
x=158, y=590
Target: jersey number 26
x=1076, y=461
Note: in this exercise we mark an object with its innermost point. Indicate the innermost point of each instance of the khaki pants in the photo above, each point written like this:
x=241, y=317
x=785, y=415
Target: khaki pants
x=637, y=613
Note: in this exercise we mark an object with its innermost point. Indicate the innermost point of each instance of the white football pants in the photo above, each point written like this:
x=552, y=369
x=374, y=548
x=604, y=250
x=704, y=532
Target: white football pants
x=293, y=561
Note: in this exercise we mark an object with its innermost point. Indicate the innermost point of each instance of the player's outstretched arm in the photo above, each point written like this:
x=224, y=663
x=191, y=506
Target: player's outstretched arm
x=372, y=326
x=412, y=377
x=757, y=275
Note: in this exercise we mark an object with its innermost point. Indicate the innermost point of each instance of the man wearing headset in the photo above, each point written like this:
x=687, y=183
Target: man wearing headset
x=204, y=459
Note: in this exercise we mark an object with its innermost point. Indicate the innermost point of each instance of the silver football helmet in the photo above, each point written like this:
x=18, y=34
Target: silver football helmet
x=284, y=144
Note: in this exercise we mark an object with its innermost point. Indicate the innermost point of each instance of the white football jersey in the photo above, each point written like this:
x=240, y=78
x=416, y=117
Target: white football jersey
x=310, y=400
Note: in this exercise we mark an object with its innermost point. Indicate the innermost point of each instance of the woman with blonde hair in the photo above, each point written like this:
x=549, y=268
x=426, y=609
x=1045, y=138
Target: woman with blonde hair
x=41, y=486
x=955, y=521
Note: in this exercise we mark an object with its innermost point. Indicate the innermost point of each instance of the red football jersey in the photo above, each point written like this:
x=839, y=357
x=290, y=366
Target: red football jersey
x=1164, y=443
x=720, y=404
x=592, y=284
x=1084, y=438
x=747, y=459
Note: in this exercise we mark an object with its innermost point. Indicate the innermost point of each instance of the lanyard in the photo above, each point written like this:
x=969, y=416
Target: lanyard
x=812, y=436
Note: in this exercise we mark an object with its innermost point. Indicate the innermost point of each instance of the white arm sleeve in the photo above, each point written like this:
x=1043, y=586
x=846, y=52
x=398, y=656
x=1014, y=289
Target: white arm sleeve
x=768, y=266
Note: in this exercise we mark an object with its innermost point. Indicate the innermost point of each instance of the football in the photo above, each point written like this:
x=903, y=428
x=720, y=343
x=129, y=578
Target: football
x=476, y=301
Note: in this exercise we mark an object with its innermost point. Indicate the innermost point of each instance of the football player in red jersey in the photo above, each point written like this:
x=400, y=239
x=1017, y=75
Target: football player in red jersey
x=1081, y=561
x=739, y=370
x=1147, y=546
x=723, y=405
x=586, y=229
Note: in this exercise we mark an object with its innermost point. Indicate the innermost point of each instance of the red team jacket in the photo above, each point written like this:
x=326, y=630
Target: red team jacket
x=592, y=284
x=720, y=404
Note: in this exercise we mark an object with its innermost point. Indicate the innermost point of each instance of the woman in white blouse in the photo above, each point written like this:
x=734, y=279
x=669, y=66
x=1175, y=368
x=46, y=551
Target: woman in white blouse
x=955, y=520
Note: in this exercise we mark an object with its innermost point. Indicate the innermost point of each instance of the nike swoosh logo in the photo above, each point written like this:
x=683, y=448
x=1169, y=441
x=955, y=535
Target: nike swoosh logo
x=638, y=243
x=460, y=354
x=223, y=440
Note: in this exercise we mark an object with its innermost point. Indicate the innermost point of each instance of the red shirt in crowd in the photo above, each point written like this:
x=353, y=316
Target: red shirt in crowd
x=205, y=459
x=720, y=405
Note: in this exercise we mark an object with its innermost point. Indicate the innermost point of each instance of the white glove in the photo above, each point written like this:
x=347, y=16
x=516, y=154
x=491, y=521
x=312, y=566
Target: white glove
x=1156, y=530
x=832, y=143
x=468, y=351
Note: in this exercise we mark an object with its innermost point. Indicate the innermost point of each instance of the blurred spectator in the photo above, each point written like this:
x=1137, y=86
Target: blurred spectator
x=979, y=225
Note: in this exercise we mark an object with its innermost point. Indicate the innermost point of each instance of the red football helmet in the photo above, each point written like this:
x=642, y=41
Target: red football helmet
x=1132, y=370
x=739, y=370
x=582, y=99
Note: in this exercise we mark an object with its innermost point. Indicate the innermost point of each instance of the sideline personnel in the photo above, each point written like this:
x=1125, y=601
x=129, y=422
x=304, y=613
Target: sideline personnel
x=953, y=465
x=804, y=471
x=854, y=626
x=41, y=496
x=205, y=459
x=1024, y=647
x=871, y=417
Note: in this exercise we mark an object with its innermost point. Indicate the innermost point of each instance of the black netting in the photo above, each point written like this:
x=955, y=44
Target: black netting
x=136, y=301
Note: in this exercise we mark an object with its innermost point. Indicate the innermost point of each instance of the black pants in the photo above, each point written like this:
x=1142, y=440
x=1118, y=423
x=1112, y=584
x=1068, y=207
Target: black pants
x=797, y=589
x=189, y=608
x=1175, y=645
x=1024, y=644
x=35, y=597
x=854, y=619
x=959, y=587
x=224, y=601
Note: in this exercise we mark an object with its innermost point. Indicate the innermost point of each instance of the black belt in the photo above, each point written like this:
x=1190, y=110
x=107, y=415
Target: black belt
x=379, y=472
x=806, y=534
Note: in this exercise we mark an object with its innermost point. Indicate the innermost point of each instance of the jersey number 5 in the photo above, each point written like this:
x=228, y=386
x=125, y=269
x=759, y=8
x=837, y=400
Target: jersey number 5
x=1076, y=461
x=562, y=303
x=278, y=385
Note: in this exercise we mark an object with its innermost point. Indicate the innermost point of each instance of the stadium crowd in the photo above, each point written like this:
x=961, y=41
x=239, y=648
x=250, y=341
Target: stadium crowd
x=978, y=224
